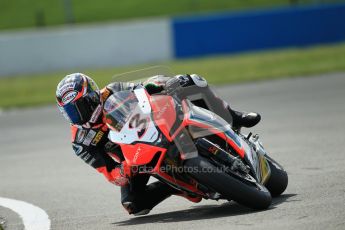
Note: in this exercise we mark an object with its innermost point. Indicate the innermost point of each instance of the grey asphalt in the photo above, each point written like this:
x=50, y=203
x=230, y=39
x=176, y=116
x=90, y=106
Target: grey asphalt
x=303, y=127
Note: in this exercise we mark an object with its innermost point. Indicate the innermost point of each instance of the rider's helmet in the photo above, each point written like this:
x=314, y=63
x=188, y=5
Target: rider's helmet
x=78, y=98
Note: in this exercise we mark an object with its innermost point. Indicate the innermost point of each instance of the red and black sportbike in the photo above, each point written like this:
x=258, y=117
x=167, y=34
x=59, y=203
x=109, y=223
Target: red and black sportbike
x=192, y=149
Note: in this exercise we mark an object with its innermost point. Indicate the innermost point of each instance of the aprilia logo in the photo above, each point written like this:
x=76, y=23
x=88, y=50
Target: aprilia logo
x=136, y=154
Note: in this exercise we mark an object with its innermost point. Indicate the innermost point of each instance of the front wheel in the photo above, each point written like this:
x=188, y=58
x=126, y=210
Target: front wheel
x=252, y=195
x=278, y=180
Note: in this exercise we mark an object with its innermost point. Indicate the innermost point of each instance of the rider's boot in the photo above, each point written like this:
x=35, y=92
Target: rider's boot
x=141, y=203
x=242, y=119
x=132, y=209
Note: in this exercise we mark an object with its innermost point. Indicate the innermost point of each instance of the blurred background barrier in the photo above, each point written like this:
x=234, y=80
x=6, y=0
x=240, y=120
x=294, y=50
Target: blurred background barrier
x=93, y=46
x=258, y=30
x=145, y=41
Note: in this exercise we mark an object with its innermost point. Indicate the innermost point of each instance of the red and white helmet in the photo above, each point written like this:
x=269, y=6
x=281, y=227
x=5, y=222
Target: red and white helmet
x=78, y=98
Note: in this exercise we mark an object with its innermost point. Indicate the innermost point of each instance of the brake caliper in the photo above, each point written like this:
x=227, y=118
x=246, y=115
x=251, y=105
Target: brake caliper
x=239, y=166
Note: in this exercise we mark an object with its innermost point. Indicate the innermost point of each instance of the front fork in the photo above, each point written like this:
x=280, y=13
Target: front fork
x=255, y=157
x=258, y=157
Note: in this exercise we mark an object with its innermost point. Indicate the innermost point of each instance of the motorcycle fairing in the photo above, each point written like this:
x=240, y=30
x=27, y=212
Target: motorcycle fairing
x=212, y=124
x=139, y=126
x=140, y=153
x=256, y=158
x=162, y=105
x=151, y=121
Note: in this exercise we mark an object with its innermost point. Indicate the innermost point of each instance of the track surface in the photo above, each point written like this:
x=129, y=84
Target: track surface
x=303, y=127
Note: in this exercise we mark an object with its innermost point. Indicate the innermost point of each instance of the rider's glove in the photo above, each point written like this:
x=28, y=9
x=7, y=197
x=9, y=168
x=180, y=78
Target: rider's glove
x=125, y=170
x=155, y=84
x=122, y=174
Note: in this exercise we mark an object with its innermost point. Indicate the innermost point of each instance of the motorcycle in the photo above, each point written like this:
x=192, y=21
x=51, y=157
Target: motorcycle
x=192, y=149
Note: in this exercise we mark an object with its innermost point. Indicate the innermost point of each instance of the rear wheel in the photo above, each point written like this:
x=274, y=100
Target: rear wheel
x=278, y=180
x=248, y=193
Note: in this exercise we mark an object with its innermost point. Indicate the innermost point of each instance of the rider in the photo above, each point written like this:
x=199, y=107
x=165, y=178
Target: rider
x=81, y=102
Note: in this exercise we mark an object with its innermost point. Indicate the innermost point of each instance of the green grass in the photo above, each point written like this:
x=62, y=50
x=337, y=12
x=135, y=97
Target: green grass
x=23, y=13
x=37, y=90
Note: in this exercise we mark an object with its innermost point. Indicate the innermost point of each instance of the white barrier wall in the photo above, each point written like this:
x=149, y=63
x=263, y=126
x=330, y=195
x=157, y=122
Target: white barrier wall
x=90, y=46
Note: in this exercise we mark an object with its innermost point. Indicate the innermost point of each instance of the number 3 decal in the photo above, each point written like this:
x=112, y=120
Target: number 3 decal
x=140, y=123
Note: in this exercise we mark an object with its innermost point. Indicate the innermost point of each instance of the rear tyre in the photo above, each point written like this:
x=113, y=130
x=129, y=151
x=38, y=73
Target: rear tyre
x=251, y=195
x=278, y=180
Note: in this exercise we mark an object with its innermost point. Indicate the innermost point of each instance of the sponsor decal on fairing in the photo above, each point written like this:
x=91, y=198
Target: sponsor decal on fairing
x=135, y=158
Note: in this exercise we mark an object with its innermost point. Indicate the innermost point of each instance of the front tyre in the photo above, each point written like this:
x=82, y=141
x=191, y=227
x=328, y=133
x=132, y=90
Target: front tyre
x=252, y=195
x=278, y=180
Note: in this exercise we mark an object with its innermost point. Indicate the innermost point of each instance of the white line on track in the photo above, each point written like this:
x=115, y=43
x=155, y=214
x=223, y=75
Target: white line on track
x=33, y=217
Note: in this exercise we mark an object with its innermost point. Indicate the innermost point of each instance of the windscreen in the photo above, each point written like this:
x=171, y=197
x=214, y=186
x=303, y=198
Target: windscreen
x=141, y=75
x=118, y=109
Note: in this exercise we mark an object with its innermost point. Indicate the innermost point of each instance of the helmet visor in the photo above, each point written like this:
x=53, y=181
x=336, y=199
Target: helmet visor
x=71, y=113
x=80, y=111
